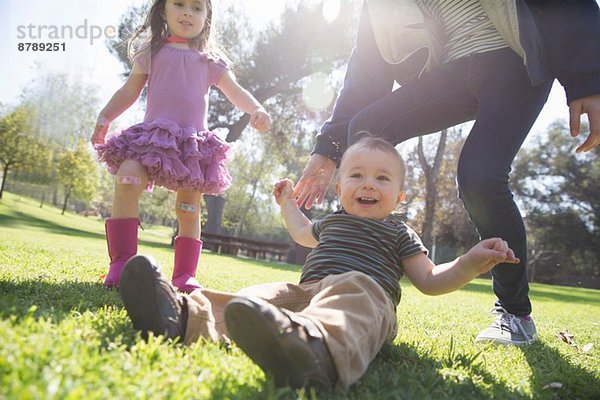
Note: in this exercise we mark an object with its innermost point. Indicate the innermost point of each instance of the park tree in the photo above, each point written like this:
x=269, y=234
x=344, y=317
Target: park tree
x=558, y=190
x=77, y=172
x=105, y=189
x=431, y=171
x=447, y=222
x=63, y=110
x=261, y=160
x=19, y=148
x=159, y=207
x=43, y=173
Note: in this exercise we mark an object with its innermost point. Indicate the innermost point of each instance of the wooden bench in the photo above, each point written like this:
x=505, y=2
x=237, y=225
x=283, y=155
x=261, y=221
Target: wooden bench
x=257, y=249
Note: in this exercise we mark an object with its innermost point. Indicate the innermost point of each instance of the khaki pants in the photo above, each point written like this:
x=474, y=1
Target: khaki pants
x=352, y=310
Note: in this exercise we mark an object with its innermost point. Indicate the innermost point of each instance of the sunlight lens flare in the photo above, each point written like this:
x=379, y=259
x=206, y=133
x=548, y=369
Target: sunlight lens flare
x=317, y=93
x=331, y=10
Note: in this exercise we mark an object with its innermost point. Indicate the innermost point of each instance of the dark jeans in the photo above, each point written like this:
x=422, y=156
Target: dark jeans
x=494, y=90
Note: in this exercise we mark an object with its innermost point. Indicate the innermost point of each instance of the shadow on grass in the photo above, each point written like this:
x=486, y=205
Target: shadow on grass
x=53, y=300
x=550, y=366
x=400, y=372
x=60, y=301
x=18, y=219
x=557, y=294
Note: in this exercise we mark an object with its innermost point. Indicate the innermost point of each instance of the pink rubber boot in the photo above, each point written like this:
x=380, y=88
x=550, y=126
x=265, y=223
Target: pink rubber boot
x=122, y=238
x=187, y=253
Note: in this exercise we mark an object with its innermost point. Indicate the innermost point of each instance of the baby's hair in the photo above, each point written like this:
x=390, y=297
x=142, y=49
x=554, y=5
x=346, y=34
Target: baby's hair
x=152, y=33
x=368, y=142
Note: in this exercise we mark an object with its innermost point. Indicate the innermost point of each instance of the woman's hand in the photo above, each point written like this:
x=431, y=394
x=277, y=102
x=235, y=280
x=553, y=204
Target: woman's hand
x=591, y=106
x=315, y=179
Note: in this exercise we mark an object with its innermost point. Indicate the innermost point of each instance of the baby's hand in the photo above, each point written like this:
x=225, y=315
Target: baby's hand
x=100, y=130
x=260, y=120
x=283, y=191
x=488, y=253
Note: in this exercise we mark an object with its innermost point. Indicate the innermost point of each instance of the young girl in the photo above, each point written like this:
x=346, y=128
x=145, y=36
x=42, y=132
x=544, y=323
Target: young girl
x=172, y=147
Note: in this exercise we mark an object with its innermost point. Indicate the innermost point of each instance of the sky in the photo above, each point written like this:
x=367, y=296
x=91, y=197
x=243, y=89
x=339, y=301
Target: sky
x=84, y=25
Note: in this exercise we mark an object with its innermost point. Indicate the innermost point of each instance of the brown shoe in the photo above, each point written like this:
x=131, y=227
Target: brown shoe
x=283, y=344
x=151, y=301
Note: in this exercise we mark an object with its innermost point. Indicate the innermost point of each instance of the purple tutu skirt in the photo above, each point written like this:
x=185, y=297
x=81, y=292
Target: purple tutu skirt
x=175, y=157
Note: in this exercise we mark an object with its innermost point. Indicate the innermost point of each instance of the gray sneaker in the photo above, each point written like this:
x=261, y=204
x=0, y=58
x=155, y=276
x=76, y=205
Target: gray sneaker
x=508, y=329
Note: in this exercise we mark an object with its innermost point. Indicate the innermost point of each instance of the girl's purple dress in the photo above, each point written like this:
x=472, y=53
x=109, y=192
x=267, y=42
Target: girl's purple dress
x=173, y=142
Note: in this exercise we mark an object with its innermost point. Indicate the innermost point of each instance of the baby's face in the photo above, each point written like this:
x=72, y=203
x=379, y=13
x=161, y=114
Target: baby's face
x=370, y=183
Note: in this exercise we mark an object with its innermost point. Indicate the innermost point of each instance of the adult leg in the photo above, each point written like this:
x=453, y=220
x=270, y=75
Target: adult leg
x=440, y=99
x=121, y=228
x=188, y=245
x=509, y=105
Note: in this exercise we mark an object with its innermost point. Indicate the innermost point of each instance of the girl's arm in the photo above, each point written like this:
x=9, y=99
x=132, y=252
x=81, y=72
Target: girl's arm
x=434, y=279
x=121, y=101
x=299, y=227
x=242, y=99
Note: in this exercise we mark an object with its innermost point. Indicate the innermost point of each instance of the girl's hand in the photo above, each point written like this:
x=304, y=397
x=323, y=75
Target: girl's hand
x=488, y=253
x=260, y=120
x=100, y=131
x=283, y=191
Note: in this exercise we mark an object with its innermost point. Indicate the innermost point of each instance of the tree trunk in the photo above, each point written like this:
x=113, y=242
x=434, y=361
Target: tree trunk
x=214, y=208
x=67, y=195
x=431, y=176
x=55, y=196
x=4, y=175
x=534, y=258
x=248, y=204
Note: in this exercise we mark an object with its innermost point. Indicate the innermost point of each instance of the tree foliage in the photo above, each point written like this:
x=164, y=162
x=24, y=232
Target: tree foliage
x=63, y=110
x=451, y=229
x=19, y=148
x=60, y=112
x=559, y=191
x=77, y=172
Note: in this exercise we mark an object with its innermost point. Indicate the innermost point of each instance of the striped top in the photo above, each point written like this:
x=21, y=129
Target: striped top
x=465, y=27
x=350, y=243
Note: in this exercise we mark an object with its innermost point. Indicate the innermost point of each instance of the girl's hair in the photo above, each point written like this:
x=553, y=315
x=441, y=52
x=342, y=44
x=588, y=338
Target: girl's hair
x=151, y=35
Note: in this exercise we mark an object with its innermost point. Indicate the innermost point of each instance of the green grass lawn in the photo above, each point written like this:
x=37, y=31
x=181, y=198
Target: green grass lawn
x=63, y=336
